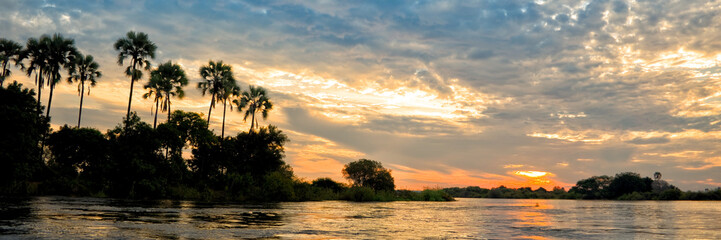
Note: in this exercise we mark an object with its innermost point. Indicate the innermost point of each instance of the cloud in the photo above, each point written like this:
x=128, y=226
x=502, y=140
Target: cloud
x=599, y=86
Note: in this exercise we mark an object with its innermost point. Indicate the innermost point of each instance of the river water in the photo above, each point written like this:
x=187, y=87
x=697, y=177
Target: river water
x=83, y=218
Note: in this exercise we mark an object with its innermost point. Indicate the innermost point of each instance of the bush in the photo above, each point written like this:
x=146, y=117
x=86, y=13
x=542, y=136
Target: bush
x=278, y=187
x=435, y=195
x=359, y=194
x=328, y=183
x=670, y=194
x=632, y=196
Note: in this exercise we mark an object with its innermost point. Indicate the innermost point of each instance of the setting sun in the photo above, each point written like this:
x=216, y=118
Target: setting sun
x=532, y=174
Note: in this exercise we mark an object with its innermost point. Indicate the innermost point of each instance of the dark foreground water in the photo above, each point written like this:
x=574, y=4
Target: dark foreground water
x=82, y=218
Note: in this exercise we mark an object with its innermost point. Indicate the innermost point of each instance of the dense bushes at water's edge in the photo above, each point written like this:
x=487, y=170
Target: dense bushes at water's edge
x=622, y=186
x=135, y=160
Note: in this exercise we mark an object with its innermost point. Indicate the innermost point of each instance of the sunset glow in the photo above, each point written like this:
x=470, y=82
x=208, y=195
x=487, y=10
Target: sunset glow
x=459, y=93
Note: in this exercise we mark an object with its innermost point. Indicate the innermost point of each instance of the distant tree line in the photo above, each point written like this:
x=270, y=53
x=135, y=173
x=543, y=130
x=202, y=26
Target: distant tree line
x=622, y=186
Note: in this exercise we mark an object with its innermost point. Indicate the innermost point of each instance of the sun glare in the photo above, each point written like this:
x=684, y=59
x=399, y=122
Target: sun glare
x=532, y=174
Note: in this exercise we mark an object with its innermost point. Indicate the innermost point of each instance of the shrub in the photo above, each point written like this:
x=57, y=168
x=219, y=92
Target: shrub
x=359, y=194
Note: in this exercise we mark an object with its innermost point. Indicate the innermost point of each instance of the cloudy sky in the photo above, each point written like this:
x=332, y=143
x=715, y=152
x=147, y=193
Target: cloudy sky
x=444, y=93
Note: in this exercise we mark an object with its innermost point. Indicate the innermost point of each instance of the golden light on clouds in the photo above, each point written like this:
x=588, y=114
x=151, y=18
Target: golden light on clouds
x=532, y=174
x=594, y=137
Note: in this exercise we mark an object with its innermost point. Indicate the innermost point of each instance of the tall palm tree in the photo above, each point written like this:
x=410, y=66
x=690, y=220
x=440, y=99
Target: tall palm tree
x=36, y=52
x=165, y=82
x=218, y=82
x=138, y=48
x=229, y=90
x=155, y=90
x=9, y=50
x=61, y=52
x=82, y=69
x=254, y=100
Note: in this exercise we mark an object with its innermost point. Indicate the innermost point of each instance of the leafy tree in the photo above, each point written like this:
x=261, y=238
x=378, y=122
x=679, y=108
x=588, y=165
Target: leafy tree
x=328, y=184
x=595, y=187
x=183, y=129
x=628, y=182
x=76, y=149
x=61, y=53
x=219, y=83
x=256, y=152
x=22, y=127
x=137, y=47
x=369, y=173
x=165, y=82
x=135, y=156
x=83, y=69
x=9, y=50
x=254, y=100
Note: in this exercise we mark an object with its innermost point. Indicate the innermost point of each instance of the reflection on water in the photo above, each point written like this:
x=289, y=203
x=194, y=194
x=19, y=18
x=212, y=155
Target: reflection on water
x=52, y=217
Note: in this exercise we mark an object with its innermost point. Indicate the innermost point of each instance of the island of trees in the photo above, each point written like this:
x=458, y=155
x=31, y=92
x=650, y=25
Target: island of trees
x=139, y=160
x=622, y=186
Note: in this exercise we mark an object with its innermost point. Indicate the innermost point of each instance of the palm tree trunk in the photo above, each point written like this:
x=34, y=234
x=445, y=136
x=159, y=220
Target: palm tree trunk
x=156, y=112
x=39, y=82
x=50, y=99
x=82, y=94
x=132, y=83
x=168, y=101
x=4, y=74
x=252, y=120
x=212, y=101
x=222, y=131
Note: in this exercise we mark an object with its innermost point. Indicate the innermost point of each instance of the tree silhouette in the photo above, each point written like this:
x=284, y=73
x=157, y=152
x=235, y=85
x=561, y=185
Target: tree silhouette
x=61, y=52
x=369, y=173
x=138, y=48
x=9, y=50
x=254, y=100
x=36, y=53
x=82, y=69
x=165, y=82
x=219, y=83
x=155, y=89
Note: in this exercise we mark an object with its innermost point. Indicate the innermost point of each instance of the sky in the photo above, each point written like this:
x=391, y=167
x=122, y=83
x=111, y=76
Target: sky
x=443, y=93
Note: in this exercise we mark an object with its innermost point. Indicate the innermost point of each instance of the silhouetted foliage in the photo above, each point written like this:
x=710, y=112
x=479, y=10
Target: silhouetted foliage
x=328, y=183
x=628, y=182
x=623, y=186
x=9, y=51
x=595, y=187
x=135, y=154
x=22, y=127
x=369, y=173
x=76, y=149
x=138, y=48
x=138, y=161
x=256, y=152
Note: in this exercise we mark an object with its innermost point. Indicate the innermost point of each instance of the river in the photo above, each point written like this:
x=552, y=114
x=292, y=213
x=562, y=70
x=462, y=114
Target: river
x=83, y=218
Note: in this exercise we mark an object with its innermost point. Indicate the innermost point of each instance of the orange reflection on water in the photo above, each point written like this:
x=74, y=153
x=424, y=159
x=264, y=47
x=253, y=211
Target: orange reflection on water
x=533, y=213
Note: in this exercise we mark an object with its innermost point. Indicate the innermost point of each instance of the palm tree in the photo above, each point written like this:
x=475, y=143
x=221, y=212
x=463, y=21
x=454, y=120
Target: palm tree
x=9, y=50
x=230, y=89
x=254, y=100
x=36, y=52
x=82, y=69
x=155, y=89
x=219, y=82
x=138, y=48
x=165, y=82
x=61, y=52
